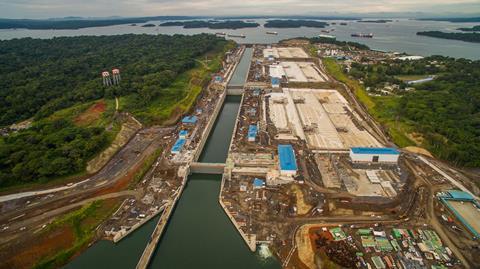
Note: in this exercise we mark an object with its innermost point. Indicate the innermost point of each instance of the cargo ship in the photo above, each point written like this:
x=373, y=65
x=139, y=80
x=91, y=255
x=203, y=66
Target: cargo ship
x=272, y=33
x=369, y=35
x=221, y=33
x=240, y=36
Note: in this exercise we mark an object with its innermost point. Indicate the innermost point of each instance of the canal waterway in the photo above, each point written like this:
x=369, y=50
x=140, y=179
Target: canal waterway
x=199, y=233
x=241, y=71
x=123, y=255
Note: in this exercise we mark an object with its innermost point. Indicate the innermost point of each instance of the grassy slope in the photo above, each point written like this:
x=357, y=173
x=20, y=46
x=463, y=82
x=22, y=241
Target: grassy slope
x=181, y=95
x=381, y=108
x=83, y=222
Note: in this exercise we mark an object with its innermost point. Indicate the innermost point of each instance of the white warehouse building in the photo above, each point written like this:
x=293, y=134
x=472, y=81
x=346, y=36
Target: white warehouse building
x=374, y=155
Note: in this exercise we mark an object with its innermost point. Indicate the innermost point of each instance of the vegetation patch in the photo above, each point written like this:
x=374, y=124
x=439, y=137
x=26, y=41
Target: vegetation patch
x=441, y=115
x=468, y=37
x=58, y=82
x=83, y=223
x=92, y=114
x=212, y=24
x=294, y=24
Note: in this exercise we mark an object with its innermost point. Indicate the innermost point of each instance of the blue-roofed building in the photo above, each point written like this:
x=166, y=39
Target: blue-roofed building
x=287, y=160
x=275, y=82
x=178, y=146
x=252, y=133
x=465, y=208
x=374, y=155
x=258, y=183
x=183, y=134
x=189, y=120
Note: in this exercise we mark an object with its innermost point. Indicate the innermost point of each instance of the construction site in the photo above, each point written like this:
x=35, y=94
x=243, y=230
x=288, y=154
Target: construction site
x=301, y=156
x=308, y=175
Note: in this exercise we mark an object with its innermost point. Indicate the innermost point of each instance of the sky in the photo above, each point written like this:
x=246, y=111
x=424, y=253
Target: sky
x=103, y=8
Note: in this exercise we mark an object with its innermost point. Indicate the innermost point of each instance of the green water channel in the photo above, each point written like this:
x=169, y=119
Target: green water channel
x=199, y=233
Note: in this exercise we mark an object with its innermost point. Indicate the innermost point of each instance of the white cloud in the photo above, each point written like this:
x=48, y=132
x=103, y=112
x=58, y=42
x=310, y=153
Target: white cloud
x=57, y=8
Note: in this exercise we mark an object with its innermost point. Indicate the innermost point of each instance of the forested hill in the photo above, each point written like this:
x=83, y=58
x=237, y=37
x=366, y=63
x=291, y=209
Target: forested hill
x=77, y=23
x=468, y=37
x=229, y=24
x=42, y=76
x=294, y=24
x=58, y=82
x=442, y=115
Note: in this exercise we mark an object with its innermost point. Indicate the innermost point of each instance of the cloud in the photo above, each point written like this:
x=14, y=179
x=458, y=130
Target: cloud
x=57, y=8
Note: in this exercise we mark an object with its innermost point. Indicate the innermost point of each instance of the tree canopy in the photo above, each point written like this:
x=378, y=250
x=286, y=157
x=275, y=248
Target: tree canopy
x=40, y=76
x=446, y=110
x=56, y=80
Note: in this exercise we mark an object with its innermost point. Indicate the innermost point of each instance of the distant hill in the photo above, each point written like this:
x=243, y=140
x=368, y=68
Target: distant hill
x=212, y=24
x=471, y=29
x=294, y=24
x=470, y=19
x=468, y=37
x=78, y=23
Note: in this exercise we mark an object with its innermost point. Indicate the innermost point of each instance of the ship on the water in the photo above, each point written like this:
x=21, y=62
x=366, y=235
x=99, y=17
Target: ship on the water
x=365, y=35
x=240, y=36
x=221, y=33
x=272, y=33
x=327, y=36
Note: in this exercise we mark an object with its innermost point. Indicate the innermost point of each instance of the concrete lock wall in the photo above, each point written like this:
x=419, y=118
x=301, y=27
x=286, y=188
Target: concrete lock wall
x=207, y=168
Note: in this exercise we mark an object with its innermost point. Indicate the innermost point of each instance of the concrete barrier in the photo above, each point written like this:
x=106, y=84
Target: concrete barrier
x=208, y=128
x=207, y=168
x=235, y=91
x=249, y=239
x=161, y=224
x=120, y=235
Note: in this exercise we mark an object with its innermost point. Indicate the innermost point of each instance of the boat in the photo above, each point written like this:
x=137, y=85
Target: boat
x=343, y=23
x=369, y=35
x=325, y=31
x=272, y=33
x=327, y=36
x=240, y=36
x=221, y=33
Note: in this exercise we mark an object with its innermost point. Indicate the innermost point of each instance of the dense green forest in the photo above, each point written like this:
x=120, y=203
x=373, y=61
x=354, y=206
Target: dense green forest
x=56, y=80
x=77, y=23
x=294, y=24
x=468, y=37
x=475, y=28
x=446, y=111
x=356, y=45
x=212, y=24
x=42, y=76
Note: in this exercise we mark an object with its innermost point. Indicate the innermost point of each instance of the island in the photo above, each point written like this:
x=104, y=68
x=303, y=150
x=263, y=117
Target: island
x=78, y=23
x=468, y=19
x=375, y=21
x=212, y=24
x=467, y=37
x=475, y=28
x=294, y=24
x=149, y=25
